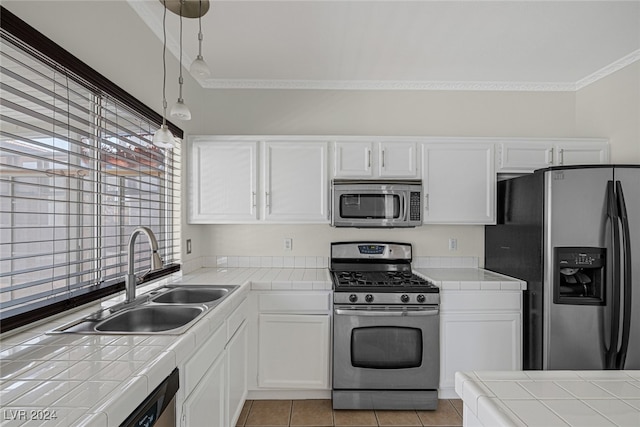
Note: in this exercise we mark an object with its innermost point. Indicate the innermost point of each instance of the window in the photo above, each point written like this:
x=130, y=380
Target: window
x=78, y=173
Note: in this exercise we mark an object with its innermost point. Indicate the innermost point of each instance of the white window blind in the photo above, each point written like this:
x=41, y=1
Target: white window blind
x=78, y=173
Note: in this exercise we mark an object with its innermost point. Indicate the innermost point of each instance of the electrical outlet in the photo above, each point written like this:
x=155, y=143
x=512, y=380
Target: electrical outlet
x=188, y=246
x=453, y=244
x=288, y=244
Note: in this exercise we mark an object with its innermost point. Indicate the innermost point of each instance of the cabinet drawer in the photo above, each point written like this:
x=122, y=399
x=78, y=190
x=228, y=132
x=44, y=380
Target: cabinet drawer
x=475, y=301
x=196, y=367
x=294, y=302
x=236, y=318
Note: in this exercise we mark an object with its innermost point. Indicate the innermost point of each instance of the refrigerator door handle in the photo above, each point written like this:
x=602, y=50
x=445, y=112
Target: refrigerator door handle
x=626, y=256
x=612, y=214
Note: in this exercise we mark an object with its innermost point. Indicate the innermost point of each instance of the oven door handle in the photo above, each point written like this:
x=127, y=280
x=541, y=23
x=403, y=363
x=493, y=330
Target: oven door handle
x=425, y=311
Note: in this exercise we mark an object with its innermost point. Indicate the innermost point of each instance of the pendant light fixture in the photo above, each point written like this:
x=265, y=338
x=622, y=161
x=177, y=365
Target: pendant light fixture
x=199, y=67
x=163, y=137
x=180, y=109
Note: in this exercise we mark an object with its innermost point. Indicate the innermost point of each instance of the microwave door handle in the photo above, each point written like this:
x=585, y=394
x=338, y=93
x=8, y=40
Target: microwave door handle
x=405, y=204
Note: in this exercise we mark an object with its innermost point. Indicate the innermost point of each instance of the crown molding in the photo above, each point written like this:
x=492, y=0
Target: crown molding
x=609, y=69
x=385, y=85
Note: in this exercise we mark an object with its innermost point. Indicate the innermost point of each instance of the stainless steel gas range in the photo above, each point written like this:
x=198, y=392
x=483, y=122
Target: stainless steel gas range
x=386, y=352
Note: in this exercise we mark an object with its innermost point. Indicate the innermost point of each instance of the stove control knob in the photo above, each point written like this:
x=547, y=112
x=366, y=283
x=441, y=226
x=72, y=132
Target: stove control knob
x=368, y=298
x=421, y=298
x=404, y=298
x=353, y=298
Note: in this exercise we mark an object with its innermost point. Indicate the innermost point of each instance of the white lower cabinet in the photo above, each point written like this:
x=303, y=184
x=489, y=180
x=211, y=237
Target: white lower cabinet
x=293, y=351
x=236, y=380
x=214, y=379
x=205, y=406
x=479, y=331
x=289, y=344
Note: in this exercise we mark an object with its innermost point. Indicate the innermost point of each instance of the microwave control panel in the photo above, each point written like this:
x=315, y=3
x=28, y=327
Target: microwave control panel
x=414, y=206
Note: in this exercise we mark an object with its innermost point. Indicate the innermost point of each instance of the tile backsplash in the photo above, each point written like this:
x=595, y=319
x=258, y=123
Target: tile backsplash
x=310, y=262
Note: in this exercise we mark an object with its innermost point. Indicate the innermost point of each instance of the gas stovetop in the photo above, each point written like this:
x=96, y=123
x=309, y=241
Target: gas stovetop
x=380, y=281
x=378, y=273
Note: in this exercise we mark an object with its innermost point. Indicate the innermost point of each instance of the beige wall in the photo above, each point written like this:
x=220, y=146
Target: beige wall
x=610, y=108
x=433, y=113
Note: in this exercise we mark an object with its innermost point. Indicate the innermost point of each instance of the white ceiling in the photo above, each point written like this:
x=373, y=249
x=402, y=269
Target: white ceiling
x=465, y=45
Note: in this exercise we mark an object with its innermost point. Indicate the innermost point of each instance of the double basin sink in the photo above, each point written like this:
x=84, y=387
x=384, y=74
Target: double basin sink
x=170, y=309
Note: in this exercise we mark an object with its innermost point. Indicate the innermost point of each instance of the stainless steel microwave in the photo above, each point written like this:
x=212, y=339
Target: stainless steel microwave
x=376, y=203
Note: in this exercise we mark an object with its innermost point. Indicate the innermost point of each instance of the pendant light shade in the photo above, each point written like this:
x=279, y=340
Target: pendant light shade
x=163, y=137
x=180, y=110
x=199, y=68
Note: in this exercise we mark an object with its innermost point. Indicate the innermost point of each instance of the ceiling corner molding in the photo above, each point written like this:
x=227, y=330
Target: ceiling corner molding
x=385, y=85
x=609, y=69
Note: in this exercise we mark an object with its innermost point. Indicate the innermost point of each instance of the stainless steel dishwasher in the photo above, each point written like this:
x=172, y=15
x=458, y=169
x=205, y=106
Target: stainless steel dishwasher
x=159, y=408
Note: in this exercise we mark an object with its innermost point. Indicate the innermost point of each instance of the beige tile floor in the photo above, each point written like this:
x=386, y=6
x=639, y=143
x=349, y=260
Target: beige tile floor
x=319, y=413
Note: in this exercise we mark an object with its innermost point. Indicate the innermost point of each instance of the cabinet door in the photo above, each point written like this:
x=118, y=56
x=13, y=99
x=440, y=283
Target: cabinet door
x=293, y=351
x=398, y=159
x=296, y=184
x=459, y=183
x=223, y=181
x=581, y=153
x=529, y=155
x=478, y=342
x=524, y=156
x=236, y=373
x=353, y=159
x=205, y=406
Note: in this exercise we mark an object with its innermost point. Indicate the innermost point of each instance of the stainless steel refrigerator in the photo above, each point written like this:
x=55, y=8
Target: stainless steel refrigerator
x=573, y=233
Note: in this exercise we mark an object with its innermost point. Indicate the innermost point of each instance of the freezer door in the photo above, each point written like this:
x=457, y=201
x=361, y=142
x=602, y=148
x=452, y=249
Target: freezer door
x=575, y=336
x=628, y=181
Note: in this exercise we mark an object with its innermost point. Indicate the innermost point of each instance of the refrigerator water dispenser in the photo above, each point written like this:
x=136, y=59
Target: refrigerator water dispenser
x=579, y=275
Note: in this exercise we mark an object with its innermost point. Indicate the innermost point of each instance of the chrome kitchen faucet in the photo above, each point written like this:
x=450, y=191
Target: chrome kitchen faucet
x=156, y=262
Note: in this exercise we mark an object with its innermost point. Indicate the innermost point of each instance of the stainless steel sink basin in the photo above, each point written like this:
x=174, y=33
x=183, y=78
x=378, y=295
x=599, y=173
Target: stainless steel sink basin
x=150, y=318
x=169, y=309
x=191, y=295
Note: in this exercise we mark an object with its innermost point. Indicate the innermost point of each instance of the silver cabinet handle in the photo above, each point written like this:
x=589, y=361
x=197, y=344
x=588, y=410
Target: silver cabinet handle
x=561, y=156
x=426, y=202
x=369, y=158
x=550, y=156
x=383, y=158
x=267, y=199
x=253, y=194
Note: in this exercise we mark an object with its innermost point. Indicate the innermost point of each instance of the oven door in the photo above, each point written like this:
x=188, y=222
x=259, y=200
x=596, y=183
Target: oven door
x=386, y=348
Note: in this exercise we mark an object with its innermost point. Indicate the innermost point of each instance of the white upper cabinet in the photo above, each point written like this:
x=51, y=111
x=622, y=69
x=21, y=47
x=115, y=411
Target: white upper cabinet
x=223, y=181
x=398, y=159
x=353, y=159
x=529, y=155
x=459, y=182
x=239, y=180
x=295, y=182
x=285, y=179
x=367, y=159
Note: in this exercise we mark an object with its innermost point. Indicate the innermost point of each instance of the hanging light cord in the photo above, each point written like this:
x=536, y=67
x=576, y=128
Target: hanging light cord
x=180, y=79
x=200, y=30
x=164, y=64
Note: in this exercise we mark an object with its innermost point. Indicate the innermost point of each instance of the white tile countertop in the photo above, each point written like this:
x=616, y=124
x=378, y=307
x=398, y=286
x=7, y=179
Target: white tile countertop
x=98, y=380
x=550, y=398
x=470, y=279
